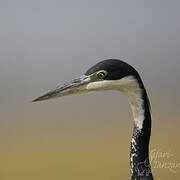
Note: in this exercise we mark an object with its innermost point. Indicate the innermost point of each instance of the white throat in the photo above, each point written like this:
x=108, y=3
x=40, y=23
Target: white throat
x=130, y=87
x=136, y=103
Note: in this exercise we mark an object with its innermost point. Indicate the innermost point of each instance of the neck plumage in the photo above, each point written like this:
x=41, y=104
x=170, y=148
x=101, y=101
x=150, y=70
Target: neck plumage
x=139, y=155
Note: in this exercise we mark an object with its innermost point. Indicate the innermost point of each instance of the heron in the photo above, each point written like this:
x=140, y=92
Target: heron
x=115, y=74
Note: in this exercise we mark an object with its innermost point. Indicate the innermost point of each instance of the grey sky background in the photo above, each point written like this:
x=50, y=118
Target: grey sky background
x=47, y=43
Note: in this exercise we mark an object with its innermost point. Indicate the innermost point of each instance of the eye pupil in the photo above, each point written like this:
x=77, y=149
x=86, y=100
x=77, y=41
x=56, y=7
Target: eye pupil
x=101, y=75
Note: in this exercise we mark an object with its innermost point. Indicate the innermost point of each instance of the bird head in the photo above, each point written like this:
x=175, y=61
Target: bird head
x=111, y=74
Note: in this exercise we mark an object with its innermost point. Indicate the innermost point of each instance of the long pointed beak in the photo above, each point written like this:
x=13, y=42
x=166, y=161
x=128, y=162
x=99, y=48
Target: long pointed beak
x=76, y=86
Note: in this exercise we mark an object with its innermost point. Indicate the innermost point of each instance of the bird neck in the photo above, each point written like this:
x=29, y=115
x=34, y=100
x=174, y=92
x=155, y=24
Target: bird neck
x=139, y=154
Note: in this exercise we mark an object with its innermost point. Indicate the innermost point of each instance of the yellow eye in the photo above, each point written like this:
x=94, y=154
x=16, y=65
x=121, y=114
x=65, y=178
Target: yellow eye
x=101, y=74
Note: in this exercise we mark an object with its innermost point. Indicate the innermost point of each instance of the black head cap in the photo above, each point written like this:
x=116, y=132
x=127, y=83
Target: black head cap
x=116, y=69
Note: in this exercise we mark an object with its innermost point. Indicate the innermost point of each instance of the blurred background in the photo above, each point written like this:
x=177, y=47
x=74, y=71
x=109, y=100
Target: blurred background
x=45, y=43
